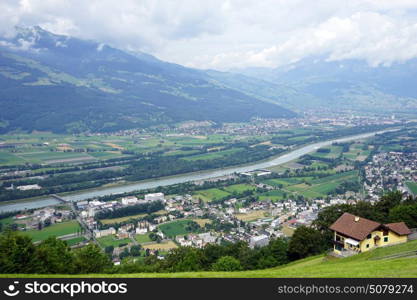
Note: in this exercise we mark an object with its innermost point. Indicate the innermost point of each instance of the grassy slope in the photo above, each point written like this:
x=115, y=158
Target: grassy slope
x=370, y=264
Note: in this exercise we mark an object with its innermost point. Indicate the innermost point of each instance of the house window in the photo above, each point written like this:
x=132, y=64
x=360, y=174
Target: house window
x=367, y=245
x=369, y=236
x=385, y=232
x=385, y=239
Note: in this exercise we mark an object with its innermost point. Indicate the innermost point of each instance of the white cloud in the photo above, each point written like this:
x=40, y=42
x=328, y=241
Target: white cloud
x=234, y=33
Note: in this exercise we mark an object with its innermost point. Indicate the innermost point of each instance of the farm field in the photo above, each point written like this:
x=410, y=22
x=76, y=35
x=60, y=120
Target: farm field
x=210, y=194
x=358, y=152
x=10, y=159
x=175, y=228
x=111, y=240
x=239, y=188
x=121, y=219
x=274, y=196
x=335, y=151
x=212, y=155
x=57, y=230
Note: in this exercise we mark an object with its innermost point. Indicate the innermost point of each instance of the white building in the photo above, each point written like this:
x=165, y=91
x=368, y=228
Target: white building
x=28, y=187
x=141, y=230
x=104, y=232
x=130, y=200
x=258, y=241
x=155, y=197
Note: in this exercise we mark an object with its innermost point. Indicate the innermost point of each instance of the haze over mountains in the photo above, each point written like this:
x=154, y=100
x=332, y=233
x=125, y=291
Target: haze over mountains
x=59, y=83
x=64, y=84
x=347, y=84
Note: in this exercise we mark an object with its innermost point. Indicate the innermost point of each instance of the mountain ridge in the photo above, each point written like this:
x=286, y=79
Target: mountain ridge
x=107, y=89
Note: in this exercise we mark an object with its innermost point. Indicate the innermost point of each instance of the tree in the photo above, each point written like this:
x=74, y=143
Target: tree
x=404, y=213
x=278, y=249
x=55, y=257
x=90, y=259
x=184, y=259
x=109, y=250
x=17, y=254
x=135, y=250
x=227, y=263
x=306, y=241
x=124, y=253
x=388, y=201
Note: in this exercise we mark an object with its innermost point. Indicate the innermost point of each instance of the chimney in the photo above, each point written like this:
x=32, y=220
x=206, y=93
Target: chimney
x=356, y=219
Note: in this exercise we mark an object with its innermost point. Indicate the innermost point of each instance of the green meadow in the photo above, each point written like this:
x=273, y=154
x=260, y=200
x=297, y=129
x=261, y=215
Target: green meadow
x=57, y=230
x=386, y=262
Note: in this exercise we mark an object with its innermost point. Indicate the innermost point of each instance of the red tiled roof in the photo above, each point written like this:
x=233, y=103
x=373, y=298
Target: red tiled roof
x=399, y=228
x=358, y=230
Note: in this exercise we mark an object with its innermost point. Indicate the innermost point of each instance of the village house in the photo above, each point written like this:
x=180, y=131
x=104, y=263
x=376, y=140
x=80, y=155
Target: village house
x=353, y=234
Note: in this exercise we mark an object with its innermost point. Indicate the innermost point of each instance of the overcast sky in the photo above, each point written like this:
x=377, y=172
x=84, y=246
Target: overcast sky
x=231, y=34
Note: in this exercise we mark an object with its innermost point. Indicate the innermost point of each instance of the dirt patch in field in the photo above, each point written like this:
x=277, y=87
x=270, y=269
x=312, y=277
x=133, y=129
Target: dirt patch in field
x=251, y=216
x=161, y=246
x=115, y=146
x=361, y=157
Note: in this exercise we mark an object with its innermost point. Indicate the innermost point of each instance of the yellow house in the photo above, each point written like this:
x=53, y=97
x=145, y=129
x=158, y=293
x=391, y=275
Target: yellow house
x=353, y=234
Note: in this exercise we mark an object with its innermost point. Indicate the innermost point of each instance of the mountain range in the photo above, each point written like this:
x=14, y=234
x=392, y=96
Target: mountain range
x=345, y=85
x=57, y=83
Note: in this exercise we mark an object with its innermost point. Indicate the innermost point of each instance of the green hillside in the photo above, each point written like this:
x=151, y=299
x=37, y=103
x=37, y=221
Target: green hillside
x=394, y=261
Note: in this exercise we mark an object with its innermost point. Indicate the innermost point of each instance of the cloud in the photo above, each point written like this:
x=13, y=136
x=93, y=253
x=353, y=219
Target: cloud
x=231, y=34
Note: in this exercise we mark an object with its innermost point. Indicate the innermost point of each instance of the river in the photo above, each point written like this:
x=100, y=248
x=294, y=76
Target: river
x=147, y=184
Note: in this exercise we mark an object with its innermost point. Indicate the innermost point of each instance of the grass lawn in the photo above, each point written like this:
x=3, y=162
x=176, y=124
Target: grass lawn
x=412, y=187
x=368, y=264
x=143, y=238
x=7, y=221
x=210, y=194
x=59, y=229
x=175, y=228
x=75, y=241
x=111, y=240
